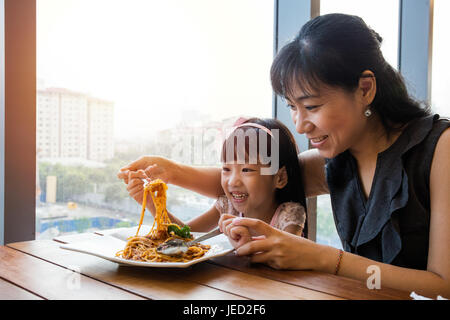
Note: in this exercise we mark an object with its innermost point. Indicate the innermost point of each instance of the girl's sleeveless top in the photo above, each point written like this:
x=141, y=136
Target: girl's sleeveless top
x=393, y=224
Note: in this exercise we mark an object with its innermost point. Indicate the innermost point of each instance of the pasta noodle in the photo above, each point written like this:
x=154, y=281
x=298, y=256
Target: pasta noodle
x=143, y=248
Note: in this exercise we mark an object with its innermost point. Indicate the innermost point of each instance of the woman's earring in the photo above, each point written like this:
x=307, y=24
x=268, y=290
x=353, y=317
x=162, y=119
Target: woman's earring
x=368, y=113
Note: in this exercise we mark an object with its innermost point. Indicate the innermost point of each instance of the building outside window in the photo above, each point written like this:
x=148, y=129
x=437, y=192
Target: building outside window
x=153, y=77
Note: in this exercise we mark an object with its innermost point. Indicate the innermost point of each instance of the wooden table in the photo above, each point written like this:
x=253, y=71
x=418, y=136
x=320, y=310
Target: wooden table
x=40, y=269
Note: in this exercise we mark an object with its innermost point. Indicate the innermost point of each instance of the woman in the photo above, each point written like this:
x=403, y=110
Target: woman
x=381, y=155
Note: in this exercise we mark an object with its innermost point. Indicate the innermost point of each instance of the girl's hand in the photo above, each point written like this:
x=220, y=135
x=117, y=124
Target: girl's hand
x=153, y=167
x=135, y=188
x=278, y=249
x=237, y=236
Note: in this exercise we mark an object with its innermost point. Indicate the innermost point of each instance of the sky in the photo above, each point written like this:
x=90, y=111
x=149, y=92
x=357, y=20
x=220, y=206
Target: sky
x=160, y=60
x=157, y=59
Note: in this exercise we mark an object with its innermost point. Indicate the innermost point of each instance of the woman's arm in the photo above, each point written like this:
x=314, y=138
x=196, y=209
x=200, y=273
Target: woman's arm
x=294, y=229
x=424, y=282
x=436, y=279
x=203, y=180
x=312, y=165
x=284, y=251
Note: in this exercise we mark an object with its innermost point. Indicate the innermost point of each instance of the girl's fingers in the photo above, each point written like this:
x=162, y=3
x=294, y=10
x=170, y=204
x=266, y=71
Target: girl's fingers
x=238, y=229
x=136, y=174
x=241, y=235
x=123, y=175
x=225, y=227
x=137, y=193
x=152, y=171
x=260, y=227
x=135, y=165
x=133, y=190
x=224, y=220
x=253, y=247
x=134, y=182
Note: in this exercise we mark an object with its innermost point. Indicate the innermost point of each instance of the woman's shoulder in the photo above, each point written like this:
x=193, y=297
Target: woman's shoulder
x=441, y=154
x=422, y=138
x=427, y=129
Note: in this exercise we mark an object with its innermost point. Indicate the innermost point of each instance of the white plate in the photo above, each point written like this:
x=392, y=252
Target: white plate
x=111, y=242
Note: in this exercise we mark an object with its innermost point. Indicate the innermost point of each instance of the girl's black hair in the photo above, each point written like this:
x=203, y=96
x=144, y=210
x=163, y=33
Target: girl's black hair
x=335, y=49
x=288, y=157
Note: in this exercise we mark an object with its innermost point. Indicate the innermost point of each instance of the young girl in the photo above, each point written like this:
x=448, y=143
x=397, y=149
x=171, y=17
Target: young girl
x=276, y=198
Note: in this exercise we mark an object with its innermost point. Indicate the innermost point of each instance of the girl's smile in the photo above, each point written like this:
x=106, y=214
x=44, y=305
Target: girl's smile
x=239, y=197
x=248, y=191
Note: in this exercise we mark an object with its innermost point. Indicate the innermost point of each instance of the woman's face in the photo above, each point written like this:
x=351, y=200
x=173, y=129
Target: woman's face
x=332, y=119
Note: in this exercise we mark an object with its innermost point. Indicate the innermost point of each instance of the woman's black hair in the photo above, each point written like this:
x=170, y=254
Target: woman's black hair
x=288, y=157
x=335, y=49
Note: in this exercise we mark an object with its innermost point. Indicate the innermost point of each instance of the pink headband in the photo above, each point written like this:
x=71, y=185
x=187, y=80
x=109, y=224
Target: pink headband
x=250, y=124
x=241, y=123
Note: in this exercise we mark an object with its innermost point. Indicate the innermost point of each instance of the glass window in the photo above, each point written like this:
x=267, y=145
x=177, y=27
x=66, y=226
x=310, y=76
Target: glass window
x=440, y=62
x=164, y=77
x=383, y=17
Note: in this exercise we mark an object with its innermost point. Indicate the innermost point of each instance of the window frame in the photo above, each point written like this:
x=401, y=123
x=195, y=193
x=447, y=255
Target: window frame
x=19, y=116
x=2, y=118
x=18, y=96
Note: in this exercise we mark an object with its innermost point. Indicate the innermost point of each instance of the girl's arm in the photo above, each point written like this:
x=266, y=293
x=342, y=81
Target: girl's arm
x=206, y=221
x=201, y=223
x=203, y=180
x=206, y=180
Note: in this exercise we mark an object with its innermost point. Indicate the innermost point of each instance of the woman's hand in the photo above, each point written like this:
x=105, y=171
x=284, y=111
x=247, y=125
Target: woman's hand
x=237, y=236
x=135, y=188
x=276, y=248
x=153, y=167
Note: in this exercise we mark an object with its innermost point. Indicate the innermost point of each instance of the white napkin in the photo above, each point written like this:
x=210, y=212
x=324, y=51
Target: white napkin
x=415, y=296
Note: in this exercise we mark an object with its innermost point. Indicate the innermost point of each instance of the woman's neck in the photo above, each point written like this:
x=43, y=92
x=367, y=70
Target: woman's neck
x=373, y=141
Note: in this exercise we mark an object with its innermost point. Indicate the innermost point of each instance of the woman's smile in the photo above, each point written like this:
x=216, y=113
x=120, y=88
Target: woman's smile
x=318, y=142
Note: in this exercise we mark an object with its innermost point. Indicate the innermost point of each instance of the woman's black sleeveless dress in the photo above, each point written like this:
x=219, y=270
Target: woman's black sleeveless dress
x=393, y=225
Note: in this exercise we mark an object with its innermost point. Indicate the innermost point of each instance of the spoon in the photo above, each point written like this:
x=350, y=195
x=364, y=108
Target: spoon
x=176, y=247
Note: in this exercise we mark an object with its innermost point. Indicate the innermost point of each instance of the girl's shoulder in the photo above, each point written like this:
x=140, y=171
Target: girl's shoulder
x=293, y=207
x=289, y=213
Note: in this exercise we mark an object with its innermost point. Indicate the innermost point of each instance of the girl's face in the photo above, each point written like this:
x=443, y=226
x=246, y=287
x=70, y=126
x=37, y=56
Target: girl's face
x=333, y=119
x=248, y=190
